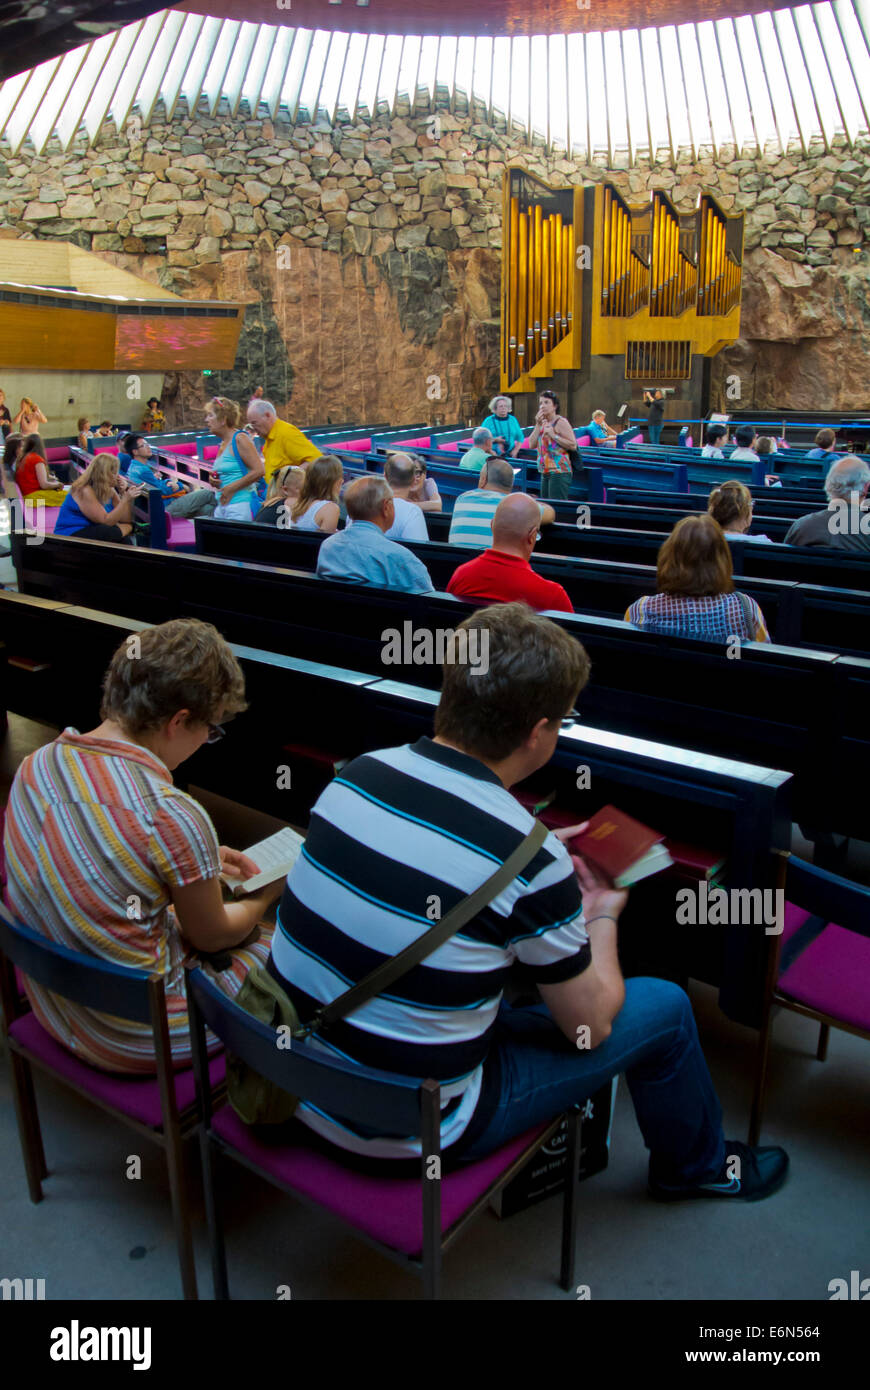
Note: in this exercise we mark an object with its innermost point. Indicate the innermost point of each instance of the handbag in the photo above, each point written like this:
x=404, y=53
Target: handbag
x=255, y=1099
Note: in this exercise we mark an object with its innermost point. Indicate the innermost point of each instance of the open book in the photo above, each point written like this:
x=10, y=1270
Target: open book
x=621, y=848
x=274, y=856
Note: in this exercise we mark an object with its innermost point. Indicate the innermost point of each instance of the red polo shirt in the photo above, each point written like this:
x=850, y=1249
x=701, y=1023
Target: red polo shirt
x=502, y=578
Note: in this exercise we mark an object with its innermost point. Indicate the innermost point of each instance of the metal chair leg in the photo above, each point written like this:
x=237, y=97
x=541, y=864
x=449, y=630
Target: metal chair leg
x=214, y=1223
x=27, y=1118
x=570, y=1203
x=824, y=1035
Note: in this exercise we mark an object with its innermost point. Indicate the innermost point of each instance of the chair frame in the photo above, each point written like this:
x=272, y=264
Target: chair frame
x=297, y=1071
x=133, y=994
x=836, y=900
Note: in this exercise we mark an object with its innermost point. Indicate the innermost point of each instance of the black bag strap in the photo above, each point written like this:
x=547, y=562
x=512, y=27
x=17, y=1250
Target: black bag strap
x=392, y=969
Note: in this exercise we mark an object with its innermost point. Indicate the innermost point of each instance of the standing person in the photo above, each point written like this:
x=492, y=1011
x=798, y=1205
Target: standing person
x=316, y=508
x=238, y=467
x=553, y=437
x=29, y=417
x=93, y=508
x=425, y=490
x=95, y=823
x=5, y=417
x=696, y=595
x=153, y=421
x=283, y=443
x=507, y=436
x=655, y=403
x=33, y=477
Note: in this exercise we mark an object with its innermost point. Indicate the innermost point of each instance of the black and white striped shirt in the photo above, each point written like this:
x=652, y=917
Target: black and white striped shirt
x=395, y=841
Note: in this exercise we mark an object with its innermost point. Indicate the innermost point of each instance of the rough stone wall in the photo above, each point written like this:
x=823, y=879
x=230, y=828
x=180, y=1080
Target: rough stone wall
x=369, y=253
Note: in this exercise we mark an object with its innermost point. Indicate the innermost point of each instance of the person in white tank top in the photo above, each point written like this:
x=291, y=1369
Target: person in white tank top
x=316, y=508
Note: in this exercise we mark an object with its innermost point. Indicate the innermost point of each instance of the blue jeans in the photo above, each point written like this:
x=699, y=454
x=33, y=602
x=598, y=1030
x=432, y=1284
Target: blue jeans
x=653, y=1040
x=655, y=433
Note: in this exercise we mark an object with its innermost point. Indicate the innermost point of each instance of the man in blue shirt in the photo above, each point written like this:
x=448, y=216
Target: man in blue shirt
x=598, y=429
x=824, y=441
x=141, y=473
x=361, y=554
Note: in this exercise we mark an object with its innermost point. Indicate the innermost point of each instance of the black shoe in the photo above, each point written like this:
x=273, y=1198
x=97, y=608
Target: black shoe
x=762, y=1172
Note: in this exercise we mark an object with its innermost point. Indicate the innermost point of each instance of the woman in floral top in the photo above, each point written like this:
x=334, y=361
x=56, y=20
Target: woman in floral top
x=552, y=436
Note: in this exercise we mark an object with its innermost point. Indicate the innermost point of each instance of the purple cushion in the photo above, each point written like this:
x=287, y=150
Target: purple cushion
x=584, y=441
x=832, y=974
x=182, y=532
x=138, y=1097
x=386, y=1209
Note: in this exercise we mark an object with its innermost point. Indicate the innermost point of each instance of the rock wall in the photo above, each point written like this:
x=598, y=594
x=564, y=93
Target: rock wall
x=369, y=254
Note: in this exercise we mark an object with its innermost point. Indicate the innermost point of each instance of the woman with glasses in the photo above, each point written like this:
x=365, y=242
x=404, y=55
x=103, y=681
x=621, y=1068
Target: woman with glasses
x=106, y=856
x=731, y=505
x=425, y=490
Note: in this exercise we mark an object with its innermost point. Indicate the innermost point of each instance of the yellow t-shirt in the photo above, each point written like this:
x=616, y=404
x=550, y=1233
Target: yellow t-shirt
x=285, y=444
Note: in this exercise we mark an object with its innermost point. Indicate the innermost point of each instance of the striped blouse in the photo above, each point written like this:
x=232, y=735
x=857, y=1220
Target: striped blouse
x=96, y=837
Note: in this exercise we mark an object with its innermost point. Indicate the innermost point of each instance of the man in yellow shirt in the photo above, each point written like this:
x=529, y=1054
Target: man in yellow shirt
x=283, y=442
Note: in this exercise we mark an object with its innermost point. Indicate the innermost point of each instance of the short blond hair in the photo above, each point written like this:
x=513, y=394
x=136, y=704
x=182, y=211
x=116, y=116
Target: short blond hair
x=182, y=664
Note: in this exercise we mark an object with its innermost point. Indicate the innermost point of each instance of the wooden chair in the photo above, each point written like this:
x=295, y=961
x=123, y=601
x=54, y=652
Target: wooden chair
x=819, y=966
x=411, y=1220
x=161, y=1108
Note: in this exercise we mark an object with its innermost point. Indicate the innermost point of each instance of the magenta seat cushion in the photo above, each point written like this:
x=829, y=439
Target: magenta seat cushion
x=386, y=1209
x=211, y=451
x=584, y=441
x=421, y=443
x=832, y=974
x=182, y=448
x=138, y=1097
x=58, y=453
x=452, y=448
x=364, y=445
x=183, y=533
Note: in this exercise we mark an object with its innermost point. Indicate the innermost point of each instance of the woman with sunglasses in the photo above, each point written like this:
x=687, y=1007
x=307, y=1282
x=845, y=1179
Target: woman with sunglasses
x=425, y=490
x=106, y=856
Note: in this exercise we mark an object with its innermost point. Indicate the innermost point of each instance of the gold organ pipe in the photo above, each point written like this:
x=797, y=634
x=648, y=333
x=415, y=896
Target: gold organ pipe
x=605, y=261
x=559, y=271
x=522, y=293
x=513, y=287
x=536, y=316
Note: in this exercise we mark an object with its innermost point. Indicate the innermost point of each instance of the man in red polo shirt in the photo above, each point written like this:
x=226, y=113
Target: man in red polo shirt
x=503, y=574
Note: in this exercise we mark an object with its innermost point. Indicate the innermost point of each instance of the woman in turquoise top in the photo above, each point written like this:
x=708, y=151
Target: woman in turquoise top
x=507, y=437
x=238, y=467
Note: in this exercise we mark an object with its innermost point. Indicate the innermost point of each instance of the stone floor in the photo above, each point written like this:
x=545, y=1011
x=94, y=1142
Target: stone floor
x=98, y=1234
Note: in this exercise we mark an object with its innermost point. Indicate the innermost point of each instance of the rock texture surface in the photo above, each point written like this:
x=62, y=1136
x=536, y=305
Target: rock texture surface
x=369, y=254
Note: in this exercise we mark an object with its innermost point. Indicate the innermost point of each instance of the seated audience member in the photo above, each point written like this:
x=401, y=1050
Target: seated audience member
x=696, y=595
x=598, y=429
x=713, y=436
x=93, y=508
x=12, y=452
x=425, y=490
x=283, y=443
x=503, y=574
x=437, y=817
x=745, y=451
x=154, y=420
x=95, y=823
x=33, y=477
x=284, y=490
x=843, y=524
x=361, y=553
x=141, y=472
x=410, y=523
x=238, y=467
x=731, y=505
x=765, y=444
x=316, y=507
x=481, y=449
x=555, y=440
x=106, y=429
x=29, y=417
x=824, y=450
x=83, y=435
x=5, y=417
x=471, y=523
x=507, y=435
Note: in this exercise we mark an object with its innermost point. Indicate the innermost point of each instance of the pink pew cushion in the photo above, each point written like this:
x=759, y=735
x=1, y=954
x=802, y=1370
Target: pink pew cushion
x=422, y=443
x=58, y=454
x=189, y=449
x=181, y=532
x=385, y=1209
x=137, y=1097
x=364, y=445
x=211, y=451
x=584, y=441
x=832, y=974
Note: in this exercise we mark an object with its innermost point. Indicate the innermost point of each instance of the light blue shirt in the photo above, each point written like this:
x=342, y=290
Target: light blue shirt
x=361, y=554
x=139, y=473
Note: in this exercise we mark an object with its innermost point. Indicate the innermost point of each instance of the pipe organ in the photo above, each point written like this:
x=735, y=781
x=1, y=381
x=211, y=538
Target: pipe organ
x=585, y=274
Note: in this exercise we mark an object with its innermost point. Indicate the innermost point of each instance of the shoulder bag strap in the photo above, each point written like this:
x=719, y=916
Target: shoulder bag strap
x=392, y=969
x=748, y=614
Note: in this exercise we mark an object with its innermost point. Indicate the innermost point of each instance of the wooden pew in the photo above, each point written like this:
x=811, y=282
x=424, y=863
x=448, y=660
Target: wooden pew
x=739, y=809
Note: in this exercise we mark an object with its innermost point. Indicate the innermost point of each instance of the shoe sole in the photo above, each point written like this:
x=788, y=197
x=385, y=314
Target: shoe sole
x=693, y=1193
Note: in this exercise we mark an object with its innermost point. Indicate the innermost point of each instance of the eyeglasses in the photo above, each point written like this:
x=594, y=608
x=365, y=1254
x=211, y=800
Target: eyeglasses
x=215, y=733
x=570, y=718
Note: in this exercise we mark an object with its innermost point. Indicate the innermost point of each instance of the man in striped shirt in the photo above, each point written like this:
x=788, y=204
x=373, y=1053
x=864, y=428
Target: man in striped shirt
x=471, y=523
x=404, y=834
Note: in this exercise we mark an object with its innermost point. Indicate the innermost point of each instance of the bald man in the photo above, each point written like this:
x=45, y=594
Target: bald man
x=503, y=574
